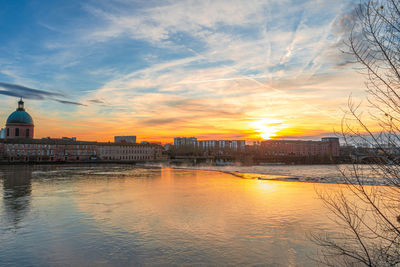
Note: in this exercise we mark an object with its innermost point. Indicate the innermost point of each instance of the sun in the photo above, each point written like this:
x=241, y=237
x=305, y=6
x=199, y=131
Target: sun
x=268, y=127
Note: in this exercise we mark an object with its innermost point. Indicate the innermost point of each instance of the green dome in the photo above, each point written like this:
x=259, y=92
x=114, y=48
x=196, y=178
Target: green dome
x=20, y=117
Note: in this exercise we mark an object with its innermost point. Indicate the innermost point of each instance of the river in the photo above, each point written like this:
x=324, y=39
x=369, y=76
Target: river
x=119, y=215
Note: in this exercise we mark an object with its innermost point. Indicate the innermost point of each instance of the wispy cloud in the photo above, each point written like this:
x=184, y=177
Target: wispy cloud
x=31, y=93
x=96, y=101
x=69, y=102
x=26, y=92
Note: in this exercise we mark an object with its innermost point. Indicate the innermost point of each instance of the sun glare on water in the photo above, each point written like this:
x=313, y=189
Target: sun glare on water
x=268, y=128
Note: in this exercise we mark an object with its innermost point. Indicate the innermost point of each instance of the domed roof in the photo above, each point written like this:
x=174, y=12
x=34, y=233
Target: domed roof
x=20, y=116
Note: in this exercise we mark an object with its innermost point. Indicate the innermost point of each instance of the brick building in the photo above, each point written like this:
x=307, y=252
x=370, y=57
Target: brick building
x=328, y=146
x=62, y=150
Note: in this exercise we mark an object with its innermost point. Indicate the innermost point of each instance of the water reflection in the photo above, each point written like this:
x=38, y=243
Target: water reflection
x=126, y=216
x=17, y=188
x=212, y=217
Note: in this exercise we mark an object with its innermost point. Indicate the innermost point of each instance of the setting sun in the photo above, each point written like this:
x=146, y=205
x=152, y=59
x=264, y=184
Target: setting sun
x=268, y=127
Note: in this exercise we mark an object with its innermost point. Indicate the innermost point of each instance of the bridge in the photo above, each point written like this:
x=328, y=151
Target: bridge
x=374, y=159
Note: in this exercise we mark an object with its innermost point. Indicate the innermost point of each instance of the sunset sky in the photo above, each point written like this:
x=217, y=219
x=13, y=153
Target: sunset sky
x=159, y=69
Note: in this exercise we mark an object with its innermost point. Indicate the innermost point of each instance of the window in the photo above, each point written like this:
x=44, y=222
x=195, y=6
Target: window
x=27, y=133
x=16, y=131
x=8, y=131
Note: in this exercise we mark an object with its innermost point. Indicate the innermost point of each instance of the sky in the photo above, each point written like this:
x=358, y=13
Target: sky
x=217, y=69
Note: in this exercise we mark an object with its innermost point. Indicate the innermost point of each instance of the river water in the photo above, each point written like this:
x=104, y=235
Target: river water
x=119, y=215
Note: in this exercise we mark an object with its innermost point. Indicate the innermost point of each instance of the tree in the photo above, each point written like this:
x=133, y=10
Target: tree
x=370, y=215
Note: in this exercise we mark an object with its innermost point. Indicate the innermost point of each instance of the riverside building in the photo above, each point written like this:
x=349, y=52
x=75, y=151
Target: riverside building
x=235, y=145
x=19, y=145
x=328, y=146
x=185, y=142
x=192, y=142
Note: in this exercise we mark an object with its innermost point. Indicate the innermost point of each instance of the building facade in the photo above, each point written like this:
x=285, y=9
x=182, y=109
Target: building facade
x=328, y=146
x=235, y=145
x=207, y=145
x=180, y=142
x=125, y=139
x=128, y=152
x=61, y=150
x=48, y=150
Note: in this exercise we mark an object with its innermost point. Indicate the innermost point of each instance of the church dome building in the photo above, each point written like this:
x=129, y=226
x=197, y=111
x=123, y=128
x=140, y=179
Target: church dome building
x=19, y=124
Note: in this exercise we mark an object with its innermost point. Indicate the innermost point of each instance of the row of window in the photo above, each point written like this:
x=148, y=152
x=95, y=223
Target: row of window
x=108, y=152
x=135, y=153
x=129, y=158
x=10, y=146
x=50, y=152
x=294, y=154
x=18, y=158
x=31, y=153
x=13, y=146
x=17, y=132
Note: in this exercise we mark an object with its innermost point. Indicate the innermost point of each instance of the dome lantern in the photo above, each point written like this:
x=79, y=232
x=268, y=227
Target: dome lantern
x=20, y=105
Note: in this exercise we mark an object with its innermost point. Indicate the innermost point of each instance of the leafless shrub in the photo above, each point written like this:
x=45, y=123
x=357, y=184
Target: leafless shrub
x=369, y=215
